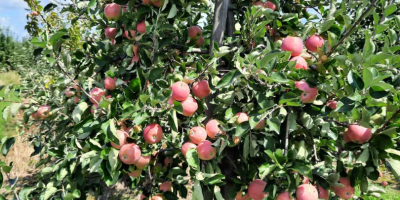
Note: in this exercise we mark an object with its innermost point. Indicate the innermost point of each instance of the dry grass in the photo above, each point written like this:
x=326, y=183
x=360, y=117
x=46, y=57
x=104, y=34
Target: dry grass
x=11, y=77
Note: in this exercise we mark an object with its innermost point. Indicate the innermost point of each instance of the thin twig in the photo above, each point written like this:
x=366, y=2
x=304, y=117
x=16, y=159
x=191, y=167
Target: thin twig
x=337, y=122
x=352, y=28
x=387, y=122
x=287, y=133
x=60, y=65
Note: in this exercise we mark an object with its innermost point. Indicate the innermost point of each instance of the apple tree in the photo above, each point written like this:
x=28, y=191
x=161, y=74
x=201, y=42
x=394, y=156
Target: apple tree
x=215, y=100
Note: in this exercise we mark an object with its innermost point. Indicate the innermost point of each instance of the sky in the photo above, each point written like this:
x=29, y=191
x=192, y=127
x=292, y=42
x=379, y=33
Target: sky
x=13, y=16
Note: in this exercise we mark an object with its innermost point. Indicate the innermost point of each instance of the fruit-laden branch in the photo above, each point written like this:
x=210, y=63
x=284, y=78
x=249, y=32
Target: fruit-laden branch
x=352, y=28
x=387, y=122
x=287, y=133
x=60, y=65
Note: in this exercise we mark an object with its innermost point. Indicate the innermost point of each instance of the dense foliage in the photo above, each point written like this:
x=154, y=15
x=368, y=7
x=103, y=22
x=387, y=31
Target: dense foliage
x=115, y=99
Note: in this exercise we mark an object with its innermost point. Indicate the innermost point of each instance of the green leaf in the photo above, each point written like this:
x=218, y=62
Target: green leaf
x=7, y=146
x=50, y=191
x=389, y=10
x=24, y=193
x=242, y=128
x=326, y=25
x=49, y=7
x=172, y=11
x=274, y=124
x=56, y=36
x=197, y=191
x=155, y=74
x=266, y=169
x=302, y=169
x=355, y=81
x=6, y=113
x=395, y=164
x=363, y=157
x=228, y=79
x=217, y=192
x=367, y=77
x=113, y=159
x=193, y=159
x=369, y=46
x=78, y=111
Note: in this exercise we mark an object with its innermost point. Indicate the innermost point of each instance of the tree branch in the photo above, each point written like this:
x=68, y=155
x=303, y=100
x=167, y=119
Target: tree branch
x=352, y=28
x=60, y=65
x=387, y=122
x=337, y=122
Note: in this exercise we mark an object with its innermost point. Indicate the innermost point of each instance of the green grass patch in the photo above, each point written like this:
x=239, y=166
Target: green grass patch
x=391, y=194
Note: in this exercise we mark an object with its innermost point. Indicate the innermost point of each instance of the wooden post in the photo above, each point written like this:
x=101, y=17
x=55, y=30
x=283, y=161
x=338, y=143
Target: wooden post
x=219, y=22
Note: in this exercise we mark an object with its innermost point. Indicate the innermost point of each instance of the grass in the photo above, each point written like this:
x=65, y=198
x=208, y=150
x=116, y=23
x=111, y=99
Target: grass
x=391, y=194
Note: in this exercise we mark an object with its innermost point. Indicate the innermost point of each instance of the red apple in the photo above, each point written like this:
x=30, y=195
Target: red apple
x=96, y=94
x=187, y=146
x=314, y=42
x=345, y=192
x=109, y=83
x=153, y=133
x=141, y=27
x=197, y=134
x=143, y=161
x=306, y=192
x=293, y=44
x=195, y=32
x=122, y=135
x=112, y=11
x=300, y=62
x=43, y=111
x=130, y=153
x=205, y=150
x=213, y=131
x=110, y=33
x=180, y=91
x=256, y=189
x=201, y=89
x=242, y=117
x=189, y=106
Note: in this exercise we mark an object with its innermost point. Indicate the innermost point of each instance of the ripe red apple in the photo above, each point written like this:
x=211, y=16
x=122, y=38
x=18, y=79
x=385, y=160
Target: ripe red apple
x=189, y=106
x=206, y=151
x=110, y=33
x=43, y=111
x=35, y=13
x=260, y=125
x=96, y=93
x=141, y=27
x=314, y=42
x=168, y=161
x=332, y=104
x=180, y=91
x=122, y=135
x=68, y=93
x=109, y=83
x=131, y=32
x=130, y=153
x=197, y=134
x=153, y=133
x=292, y=44
x=201, y=89
x=345, y=192
x=306, y=192
x=135, y=173
x=270, y=5
x=200, y=42
x=146, y=2
x=76, y=100
x=300, y=62
x=112, y=11
x=309, y=94
x=358, y=134
x=143, y=161
x=256, y=189
x=187, y=146
x=323, y=193
x=35, y=116
x=284, y=196
x=242, y=117
x=384, y=183
x=166, y=186
x=157, y=3
x=195, y=32
x=213, y=130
